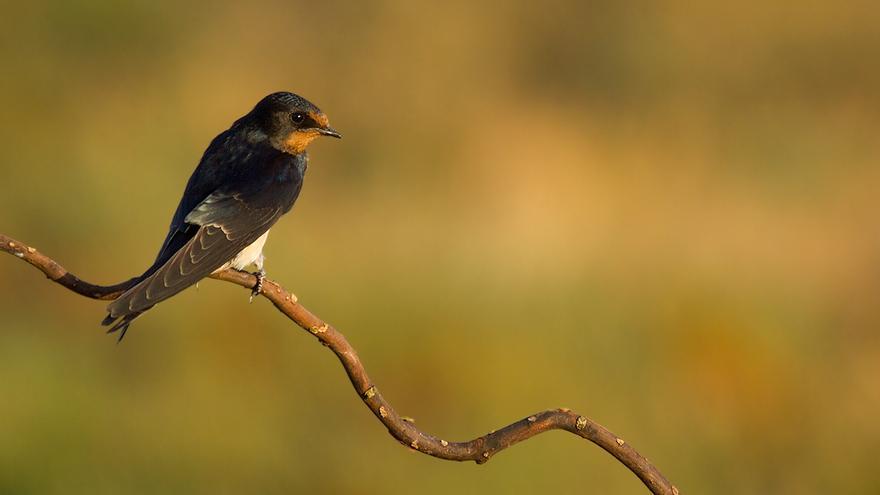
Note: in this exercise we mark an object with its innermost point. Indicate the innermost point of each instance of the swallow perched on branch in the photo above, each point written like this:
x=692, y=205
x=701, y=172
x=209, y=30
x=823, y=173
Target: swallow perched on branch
x=250, y=175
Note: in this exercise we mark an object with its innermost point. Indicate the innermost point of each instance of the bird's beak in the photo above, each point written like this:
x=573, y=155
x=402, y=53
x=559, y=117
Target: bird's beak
x=329, y=131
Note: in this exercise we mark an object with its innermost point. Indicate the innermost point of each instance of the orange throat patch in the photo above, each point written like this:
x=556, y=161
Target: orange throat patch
x=297, y=141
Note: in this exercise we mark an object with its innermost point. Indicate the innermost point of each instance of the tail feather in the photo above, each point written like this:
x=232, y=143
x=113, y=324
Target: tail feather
x=120, y=323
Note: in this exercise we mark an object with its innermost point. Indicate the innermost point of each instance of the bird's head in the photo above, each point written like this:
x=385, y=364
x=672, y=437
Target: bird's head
x=289, y=122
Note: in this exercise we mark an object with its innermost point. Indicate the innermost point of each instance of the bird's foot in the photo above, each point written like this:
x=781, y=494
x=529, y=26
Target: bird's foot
x=258, y=287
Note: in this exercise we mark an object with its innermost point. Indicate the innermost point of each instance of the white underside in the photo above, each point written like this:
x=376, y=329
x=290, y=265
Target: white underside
x=251, y=255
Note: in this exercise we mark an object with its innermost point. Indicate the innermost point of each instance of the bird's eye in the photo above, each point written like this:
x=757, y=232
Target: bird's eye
x=298, y=117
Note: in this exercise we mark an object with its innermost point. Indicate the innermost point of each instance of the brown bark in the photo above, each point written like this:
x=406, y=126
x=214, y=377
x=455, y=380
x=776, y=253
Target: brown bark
x=478, y=450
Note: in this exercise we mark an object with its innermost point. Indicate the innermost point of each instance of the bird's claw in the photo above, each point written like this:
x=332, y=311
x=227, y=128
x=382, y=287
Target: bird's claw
x=258, y=287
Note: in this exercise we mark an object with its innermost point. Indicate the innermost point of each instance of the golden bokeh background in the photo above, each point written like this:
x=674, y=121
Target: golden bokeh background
x=660, y=214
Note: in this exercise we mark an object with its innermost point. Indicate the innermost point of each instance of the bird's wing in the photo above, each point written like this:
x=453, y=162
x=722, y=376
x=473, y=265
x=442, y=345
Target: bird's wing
x=227, y=223
x=212, y=172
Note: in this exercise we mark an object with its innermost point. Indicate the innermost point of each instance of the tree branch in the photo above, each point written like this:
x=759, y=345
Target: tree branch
x=478, y=450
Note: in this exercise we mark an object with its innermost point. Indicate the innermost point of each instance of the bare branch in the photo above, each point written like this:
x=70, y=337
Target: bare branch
x=478, y=450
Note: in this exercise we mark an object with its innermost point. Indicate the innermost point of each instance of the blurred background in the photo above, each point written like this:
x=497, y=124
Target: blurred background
x=660, y=214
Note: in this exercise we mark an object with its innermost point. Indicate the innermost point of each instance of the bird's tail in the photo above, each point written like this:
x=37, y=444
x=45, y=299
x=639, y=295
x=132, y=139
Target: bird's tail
x=120, y=323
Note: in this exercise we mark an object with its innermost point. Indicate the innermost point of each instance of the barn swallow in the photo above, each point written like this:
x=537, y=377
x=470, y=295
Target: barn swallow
x=250, y=175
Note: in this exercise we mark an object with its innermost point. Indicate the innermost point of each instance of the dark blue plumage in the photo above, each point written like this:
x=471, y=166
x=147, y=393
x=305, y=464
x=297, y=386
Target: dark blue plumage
x=250, y=175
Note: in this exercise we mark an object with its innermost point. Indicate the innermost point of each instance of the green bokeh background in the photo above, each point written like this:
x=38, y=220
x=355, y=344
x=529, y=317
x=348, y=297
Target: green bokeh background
x=660, y=214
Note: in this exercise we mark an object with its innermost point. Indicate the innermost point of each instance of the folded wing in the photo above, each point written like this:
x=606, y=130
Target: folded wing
x=227, y=223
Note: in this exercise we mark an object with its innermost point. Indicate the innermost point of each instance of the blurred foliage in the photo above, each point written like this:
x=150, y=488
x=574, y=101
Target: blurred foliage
x=661, y=214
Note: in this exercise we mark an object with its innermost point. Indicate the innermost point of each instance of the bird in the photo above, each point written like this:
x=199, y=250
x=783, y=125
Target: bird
x=249, y=176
